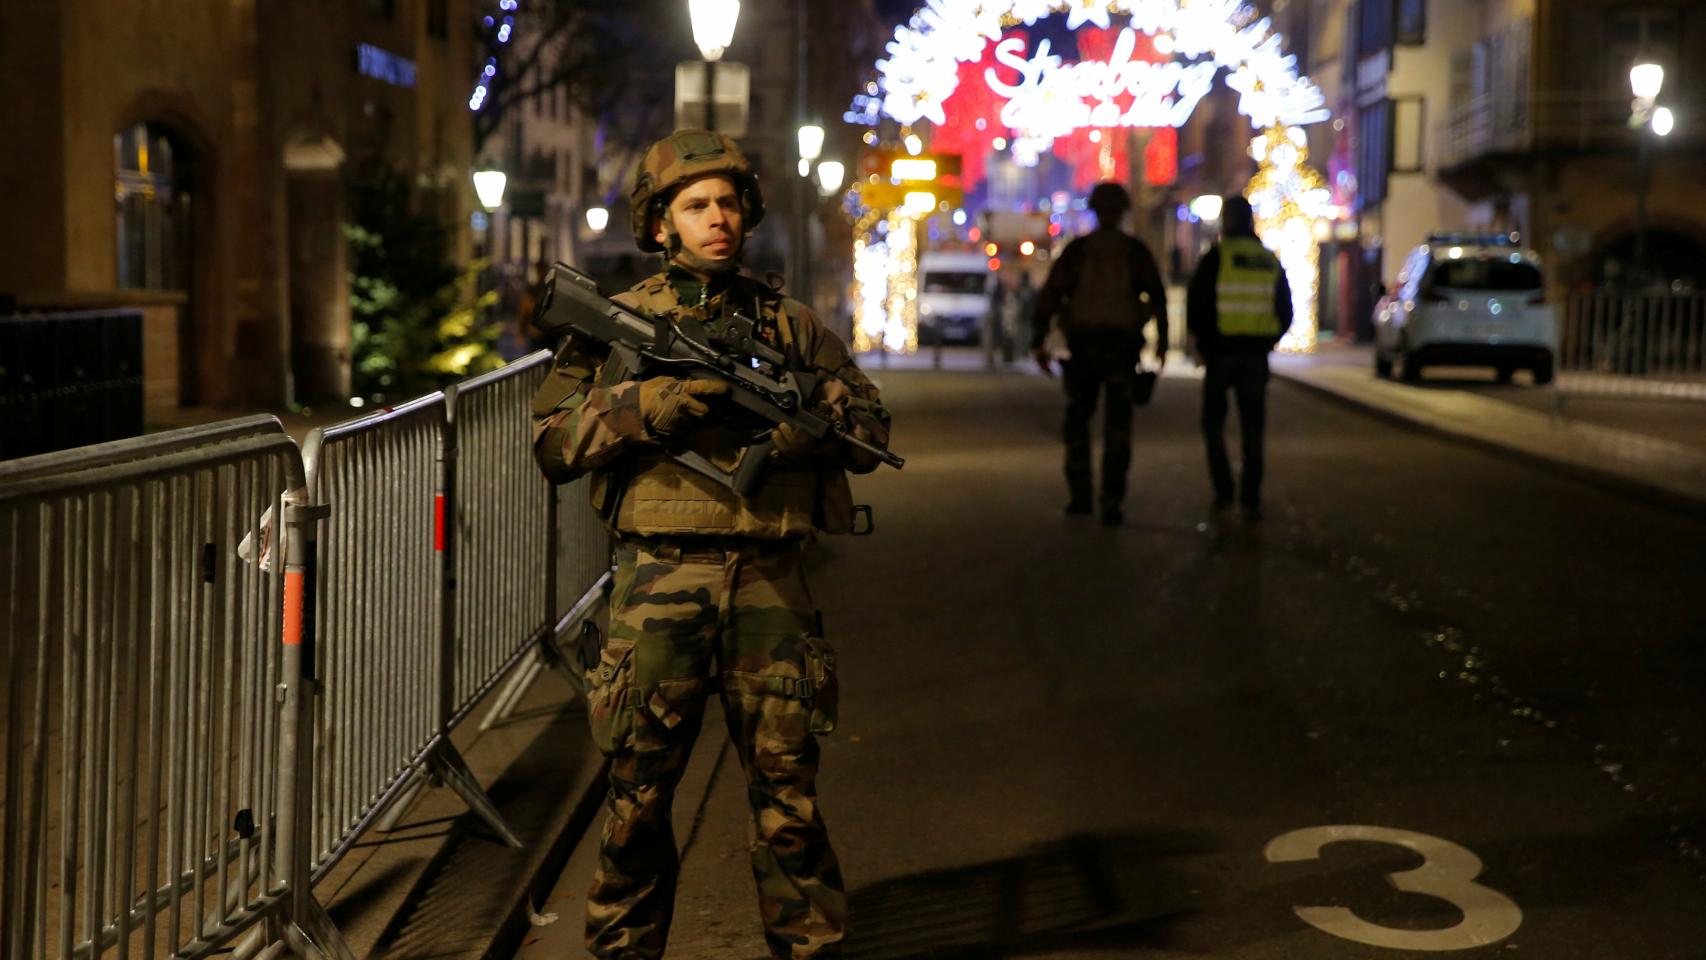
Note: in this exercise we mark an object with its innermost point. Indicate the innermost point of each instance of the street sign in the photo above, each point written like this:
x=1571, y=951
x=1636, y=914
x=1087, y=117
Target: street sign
x=732, y=91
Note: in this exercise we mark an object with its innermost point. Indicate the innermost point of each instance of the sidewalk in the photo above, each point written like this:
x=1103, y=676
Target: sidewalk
x=1655, y=464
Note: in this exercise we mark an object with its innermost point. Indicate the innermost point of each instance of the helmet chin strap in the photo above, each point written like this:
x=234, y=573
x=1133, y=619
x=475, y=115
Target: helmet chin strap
x=675, y=252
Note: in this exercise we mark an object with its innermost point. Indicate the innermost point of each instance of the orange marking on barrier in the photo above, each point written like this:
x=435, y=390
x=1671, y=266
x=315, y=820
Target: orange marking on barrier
x=293, y=609
x=438, y=522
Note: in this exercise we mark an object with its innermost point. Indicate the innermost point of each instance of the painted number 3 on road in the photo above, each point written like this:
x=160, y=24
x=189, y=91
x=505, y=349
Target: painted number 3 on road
x=1447, y=872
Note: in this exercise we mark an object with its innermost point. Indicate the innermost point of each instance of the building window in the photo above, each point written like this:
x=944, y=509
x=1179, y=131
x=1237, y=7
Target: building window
x=152, y=209
x=438, y=18
x=1374, y=153
x=1374, y=27
x=1412, y=27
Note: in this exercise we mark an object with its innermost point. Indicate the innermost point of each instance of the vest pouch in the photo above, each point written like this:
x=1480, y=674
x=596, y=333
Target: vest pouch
x=823, y=697
x=609, y=698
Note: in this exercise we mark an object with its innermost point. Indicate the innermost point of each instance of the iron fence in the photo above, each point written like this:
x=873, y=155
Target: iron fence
x=1634, y=344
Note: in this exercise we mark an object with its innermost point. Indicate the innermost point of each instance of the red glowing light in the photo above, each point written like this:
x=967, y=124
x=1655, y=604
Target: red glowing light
x=994, y=263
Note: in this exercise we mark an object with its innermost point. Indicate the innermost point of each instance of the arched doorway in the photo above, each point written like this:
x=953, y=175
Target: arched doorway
x=154, y=219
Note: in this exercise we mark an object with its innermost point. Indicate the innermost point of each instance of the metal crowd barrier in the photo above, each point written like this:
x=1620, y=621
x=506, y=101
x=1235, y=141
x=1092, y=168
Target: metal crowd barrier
x=466, y=597
x=383, y=620
x=154, y=679
x=224, y=660
x=1628, y=344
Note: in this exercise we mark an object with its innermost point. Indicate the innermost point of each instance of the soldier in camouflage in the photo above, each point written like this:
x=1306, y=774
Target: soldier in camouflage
x=709, y=594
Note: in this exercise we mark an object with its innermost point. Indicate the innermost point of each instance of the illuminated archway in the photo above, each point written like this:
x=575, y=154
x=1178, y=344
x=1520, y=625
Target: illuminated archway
x=1047, y=98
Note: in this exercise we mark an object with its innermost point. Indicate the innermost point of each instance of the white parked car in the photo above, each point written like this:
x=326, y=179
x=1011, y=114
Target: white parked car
x=1467, y=300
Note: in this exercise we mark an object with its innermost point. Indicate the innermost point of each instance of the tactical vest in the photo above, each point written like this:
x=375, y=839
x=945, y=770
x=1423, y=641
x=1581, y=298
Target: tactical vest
x=1244, y=292
x=649, y=494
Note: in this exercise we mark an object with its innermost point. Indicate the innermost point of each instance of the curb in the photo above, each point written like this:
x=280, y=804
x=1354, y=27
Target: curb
x=547, y=870
x=1611, y=480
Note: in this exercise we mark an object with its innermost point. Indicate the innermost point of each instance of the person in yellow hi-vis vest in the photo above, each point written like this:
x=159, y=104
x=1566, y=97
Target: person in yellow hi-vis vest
x=1237, y=307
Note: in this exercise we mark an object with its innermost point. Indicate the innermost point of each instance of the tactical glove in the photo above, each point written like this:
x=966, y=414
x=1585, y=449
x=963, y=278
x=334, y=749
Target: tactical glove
x=670, y=405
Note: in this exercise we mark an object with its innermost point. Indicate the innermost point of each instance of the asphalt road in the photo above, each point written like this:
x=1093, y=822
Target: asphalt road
x=1437, y=703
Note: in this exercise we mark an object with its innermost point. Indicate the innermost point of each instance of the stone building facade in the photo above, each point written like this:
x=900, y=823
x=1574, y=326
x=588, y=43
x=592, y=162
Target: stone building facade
x=192, y=157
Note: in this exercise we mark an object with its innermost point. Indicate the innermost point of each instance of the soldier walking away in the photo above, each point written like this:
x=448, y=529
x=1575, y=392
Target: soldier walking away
x=1236, y=308
x=1101, y=290
x=709, y=594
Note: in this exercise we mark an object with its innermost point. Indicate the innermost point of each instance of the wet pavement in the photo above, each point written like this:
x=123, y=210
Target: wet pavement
x=1437, y=701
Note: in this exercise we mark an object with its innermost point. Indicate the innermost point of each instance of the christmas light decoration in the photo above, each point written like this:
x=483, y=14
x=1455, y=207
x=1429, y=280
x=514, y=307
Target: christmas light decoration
x=921, y=70
x=1289, y=198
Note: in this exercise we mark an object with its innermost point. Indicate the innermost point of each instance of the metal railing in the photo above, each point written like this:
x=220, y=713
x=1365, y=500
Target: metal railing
x=1634, y=344
x=154, y=674
x=224, y=660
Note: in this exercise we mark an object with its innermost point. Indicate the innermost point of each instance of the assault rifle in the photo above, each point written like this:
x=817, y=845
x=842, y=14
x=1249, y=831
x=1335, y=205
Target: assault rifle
x=685, y=346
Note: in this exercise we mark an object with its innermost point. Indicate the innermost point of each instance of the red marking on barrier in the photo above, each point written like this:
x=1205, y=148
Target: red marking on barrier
x=438, y=522
x=293, y=609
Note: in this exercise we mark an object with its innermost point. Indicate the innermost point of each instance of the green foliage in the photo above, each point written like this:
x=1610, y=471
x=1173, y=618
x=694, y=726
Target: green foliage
x=419, y=323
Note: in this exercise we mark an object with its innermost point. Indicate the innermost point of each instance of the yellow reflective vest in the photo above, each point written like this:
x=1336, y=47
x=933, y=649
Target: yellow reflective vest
x=1244, y=290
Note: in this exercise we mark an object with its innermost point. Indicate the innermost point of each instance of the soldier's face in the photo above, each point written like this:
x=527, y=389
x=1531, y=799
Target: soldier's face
x=706, y=214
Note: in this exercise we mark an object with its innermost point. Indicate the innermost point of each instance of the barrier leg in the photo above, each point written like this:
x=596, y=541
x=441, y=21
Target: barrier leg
x=513, y=690
x=313, y=936
x=404, y=800
x=447, y=763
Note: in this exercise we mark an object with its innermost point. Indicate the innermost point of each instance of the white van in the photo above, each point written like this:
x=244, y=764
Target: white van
x=953, y=295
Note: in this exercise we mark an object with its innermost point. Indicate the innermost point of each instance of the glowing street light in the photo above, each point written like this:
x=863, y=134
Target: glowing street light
x=1663, y=121
x=1207, y=206
x=597, y=218
x=830, y=175
x=1646, y=80
x=713, y=25
x=811, y=142
x=489, y=187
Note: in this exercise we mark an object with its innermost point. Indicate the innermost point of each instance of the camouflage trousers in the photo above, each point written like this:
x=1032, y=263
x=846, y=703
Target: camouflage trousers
x=690, y=617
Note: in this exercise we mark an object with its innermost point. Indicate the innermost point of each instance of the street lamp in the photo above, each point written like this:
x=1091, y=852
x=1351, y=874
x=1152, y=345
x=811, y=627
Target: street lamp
x=713, y=25
x=1663, y=121
x=830, y=176
x=489, y=187
x=713, y=31
x=811, y=141
x=1645, y=82
x=597, y=218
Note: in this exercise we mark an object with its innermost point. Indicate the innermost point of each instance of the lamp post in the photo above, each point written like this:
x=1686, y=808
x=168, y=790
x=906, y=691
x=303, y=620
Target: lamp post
x=810, y=137
x=1645, y=82
x=489, y=187
x=713, y=31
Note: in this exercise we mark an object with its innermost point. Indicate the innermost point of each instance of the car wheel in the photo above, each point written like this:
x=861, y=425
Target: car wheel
x=1543, y=372
x=1505, y=373
x=1382, y=365
x=1411, y=370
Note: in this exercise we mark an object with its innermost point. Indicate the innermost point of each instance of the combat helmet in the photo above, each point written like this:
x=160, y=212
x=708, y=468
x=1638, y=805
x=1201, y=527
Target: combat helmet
x=682, y=156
